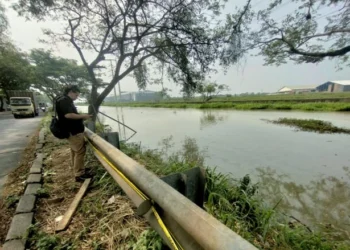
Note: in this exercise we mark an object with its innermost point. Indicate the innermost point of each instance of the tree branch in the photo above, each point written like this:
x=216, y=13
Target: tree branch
x=236, y=27
x=331, y=53
x=118, y=77
x=327, y=33
x=72, y=38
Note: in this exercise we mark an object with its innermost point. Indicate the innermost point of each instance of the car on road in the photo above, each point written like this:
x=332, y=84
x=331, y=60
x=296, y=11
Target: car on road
x=23, y=103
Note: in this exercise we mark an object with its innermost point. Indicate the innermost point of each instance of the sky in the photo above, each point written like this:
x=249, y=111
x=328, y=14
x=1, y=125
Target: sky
x=249, y=76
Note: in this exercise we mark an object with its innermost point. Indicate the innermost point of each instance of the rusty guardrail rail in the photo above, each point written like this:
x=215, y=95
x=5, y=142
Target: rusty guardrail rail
x=190, y=226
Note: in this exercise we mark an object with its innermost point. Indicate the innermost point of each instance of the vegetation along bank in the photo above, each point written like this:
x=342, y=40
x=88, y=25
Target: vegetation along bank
x=304, y=102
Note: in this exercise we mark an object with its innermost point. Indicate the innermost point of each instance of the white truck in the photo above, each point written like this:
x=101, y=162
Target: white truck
x=23, y=103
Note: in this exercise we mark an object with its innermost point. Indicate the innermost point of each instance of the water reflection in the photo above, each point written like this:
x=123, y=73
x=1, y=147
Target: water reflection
x=210, y=118
x=323, y=203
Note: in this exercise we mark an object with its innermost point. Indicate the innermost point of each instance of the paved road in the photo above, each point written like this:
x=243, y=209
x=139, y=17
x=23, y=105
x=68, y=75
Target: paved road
x=14, y=136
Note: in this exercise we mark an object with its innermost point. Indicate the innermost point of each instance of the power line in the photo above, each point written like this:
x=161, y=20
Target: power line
x=328, y=14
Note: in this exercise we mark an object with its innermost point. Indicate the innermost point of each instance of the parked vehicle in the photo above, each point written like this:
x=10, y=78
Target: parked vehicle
x=23, y=103
x=43, y=106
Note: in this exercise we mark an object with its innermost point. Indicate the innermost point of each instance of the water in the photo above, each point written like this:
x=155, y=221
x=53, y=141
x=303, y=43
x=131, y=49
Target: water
x=308, y=171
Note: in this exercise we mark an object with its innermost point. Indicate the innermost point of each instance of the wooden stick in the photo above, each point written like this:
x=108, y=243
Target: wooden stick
x=63, y=224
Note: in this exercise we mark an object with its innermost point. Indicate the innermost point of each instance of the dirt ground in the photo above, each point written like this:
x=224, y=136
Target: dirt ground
x=101, y=222
x=59, y=184
x=14, y=187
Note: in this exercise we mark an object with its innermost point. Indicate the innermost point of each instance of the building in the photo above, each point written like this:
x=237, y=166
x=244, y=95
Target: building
x=298, y=89
x=335, y=86
x=140, y=96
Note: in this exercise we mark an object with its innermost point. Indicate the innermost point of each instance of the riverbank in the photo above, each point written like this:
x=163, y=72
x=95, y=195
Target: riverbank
x=106, y=218
x=308, y=106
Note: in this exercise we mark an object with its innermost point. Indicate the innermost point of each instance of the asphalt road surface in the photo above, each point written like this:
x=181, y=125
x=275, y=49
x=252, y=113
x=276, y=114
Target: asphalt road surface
x=14, y=137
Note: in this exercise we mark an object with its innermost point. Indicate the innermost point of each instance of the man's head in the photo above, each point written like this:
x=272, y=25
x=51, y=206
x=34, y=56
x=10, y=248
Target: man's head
x=72, y=91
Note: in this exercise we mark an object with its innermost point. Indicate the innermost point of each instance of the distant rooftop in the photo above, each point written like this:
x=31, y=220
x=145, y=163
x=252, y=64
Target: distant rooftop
x=342, y=82
x=298, y=87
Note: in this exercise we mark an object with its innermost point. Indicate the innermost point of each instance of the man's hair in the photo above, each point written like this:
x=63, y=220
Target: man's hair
x=73, y=88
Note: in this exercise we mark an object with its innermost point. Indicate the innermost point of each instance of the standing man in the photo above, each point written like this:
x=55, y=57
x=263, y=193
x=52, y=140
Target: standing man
x=72, y=122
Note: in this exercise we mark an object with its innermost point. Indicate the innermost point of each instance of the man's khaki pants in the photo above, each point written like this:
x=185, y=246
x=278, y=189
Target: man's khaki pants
x=77, y=149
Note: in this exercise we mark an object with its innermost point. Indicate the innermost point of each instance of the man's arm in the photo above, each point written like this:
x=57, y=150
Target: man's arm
x=77, y=116
x=68, y=111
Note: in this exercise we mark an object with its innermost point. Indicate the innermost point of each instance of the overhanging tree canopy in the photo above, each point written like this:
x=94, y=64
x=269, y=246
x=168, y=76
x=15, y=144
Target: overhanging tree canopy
x=304, y=35
x=15, y=70
x=54, y=73
x=3, y=21
x=183, y=35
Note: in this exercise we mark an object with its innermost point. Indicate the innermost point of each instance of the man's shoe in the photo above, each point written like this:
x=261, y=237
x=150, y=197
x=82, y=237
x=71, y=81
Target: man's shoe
x=83, y=177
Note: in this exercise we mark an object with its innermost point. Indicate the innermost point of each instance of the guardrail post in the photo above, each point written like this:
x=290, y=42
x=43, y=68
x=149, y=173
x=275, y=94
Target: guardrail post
x=190, y=183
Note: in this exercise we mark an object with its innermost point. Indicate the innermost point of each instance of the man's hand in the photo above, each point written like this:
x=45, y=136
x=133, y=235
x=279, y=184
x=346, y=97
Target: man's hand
x=86, y=116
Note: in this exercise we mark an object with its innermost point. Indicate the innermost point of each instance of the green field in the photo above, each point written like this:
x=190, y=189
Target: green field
x=309, y=106
x=286, y=97
x=271, y=98
x=305, y=102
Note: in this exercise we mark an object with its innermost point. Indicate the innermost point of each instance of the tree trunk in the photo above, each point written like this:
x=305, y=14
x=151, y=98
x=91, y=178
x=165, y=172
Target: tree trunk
x=7, y=97
x=1, y=104
x=94, y=106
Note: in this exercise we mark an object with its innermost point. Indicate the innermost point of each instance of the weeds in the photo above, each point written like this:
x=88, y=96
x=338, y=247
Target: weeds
x=149, y=240
x=11, y=201
x=44, y=241
x=312, y=125
x=43, y=192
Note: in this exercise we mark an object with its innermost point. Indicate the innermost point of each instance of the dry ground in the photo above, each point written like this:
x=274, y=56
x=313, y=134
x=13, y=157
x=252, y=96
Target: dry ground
x=99, y=223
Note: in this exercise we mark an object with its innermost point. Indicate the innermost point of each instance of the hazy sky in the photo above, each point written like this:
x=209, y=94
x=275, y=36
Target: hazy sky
x=251, y=76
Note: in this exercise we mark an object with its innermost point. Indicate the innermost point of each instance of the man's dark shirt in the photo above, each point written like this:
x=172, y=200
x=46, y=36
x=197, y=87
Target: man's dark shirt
x=65, y=106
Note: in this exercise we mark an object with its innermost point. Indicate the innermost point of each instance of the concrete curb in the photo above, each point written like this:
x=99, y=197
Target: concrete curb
x=23, y=219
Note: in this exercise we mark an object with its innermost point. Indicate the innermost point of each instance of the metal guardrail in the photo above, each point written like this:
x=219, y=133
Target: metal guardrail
x=190, y=226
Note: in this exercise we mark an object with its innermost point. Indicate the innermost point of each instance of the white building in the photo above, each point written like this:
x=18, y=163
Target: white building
x=298, y=89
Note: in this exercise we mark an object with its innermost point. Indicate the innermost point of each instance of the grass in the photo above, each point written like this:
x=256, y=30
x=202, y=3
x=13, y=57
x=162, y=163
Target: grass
x=320, y=96
x=304, y=96
x=308, y=106
x=312, y=125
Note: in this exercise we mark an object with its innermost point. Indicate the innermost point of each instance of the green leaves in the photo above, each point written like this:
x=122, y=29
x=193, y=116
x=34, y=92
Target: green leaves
x=3, y=21
x=310, y=32
x=54, y=73
x=15, y=70
x=209, y=89
x=141, y=76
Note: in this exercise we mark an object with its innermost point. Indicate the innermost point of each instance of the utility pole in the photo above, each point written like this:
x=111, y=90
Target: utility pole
x=115, y=96
x=115, y=92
